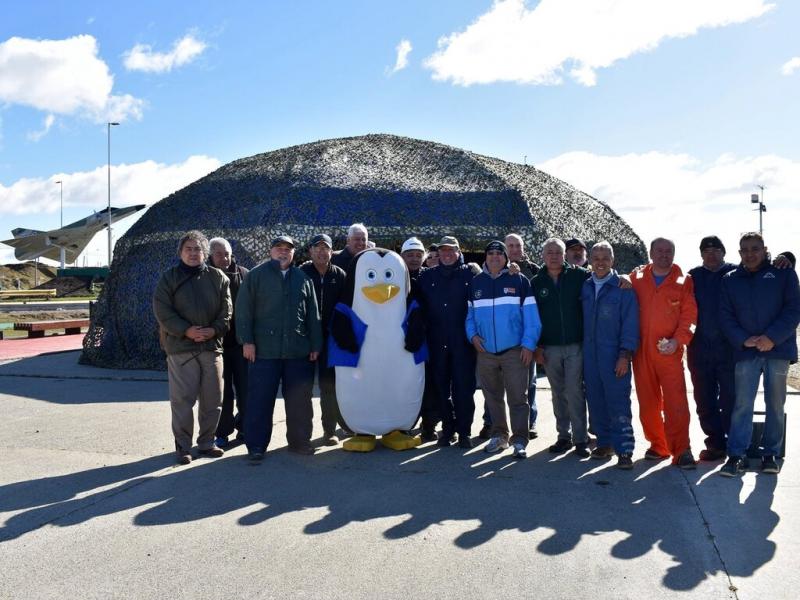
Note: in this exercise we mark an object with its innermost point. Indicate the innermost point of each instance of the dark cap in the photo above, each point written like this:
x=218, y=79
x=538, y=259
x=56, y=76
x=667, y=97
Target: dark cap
x=321, y=237
x=496, y=245
x=449, y=240
x=574, y=242
x=711, y=241
x=433, y=248
x=282, y=239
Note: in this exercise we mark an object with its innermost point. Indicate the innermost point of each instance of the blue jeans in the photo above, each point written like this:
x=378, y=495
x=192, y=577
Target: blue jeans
x=296, y=377
x=748, y=373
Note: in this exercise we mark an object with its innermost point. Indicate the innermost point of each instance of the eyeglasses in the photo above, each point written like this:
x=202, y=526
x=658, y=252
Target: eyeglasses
x=192, y=249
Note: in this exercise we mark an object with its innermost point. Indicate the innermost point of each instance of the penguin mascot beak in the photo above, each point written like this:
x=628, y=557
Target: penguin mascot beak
x=381, y=292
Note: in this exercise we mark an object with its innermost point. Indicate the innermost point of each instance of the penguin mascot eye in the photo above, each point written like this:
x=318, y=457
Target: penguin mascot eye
x=372, y=275
x=388, y=274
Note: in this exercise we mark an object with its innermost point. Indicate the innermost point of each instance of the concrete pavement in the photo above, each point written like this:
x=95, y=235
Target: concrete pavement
x=92, y=506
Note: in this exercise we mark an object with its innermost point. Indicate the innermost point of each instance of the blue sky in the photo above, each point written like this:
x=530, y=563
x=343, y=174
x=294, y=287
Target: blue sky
x=670, y=111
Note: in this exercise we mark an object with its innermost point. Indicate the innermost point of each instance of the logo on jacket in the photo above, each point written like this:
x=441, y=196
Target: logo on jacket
x=544, y=292
x=509, y=290
x=769, y=275
x=478, y=294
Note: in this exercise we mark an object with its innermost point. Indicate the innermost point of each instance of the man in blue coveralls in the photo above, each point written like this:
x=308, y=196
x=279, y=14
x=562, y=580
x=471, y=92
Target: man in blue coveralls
x=610, y=337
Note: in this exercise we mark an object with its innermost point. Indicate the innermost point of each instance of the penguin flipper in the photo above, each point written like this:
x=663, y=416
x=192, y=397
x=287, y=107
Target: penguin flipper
x=343, y=332
x=415, y=329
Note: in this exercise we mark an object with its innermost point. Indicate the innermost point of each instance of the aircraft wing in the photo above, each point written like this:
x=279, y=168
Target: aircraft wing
x=44, y=245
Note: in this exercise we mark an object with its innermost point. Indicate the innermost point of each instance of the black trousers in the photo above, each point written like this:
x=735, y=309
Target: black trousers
x=234, y=376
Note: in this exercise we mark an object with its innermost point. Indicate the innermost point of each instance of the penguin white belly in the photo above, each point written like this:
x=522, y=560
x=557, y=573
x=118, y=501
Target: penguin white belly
x=384, y=392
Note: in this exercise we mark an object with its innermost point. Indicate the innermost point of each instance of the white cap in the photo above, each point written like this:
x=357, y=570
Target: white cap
x=412, y=243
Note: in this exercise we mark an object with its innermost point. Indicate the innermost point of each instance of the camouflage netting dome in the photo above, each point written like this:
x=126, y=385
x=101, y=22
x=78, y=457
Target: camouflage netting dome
x=397, y=186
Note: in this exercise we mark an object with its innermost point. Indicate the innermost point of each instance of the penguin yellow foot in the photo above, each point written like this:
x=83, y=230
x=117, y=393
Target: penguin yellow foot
x=360, y=443
x=397, y=440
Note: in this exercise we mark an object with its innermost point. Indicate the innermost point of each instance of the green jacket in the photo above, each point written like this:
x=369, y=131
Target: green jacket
x=182, y=300
x=560, y=305
x=278, y=314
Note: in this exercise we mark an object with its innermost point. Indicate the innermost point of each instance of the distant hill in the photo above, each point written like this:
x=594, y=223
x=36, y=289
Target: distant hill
x=24, y=273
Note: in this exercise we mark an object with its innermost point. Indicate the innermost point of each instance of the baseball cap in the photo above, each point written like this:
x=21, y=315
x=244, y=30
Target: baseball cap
x=282, y=239
x=575, y=242
x=711, y=241
x=449, y=240
x=321, y=237
x=412, y=243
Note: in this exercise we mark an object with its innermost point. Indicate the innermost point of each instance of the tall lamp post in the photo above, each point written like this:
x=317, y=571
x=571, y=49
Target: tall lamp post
x=762, y=208
x=61, y=196
x=109, y=124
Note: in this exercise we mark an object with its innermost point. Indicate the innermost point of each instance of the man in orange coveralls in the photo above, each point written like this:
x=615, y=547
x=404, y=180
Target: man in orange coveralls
x=667, y=317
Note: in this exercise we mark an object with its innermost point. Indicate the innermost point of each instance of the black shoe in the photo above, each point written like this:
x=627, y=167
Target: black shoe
x=582, y=450
x=486, y=432
x=532, y=433
x=770, y=465
x=625, y=462
x=560, y=447
x=428, y=435
x=711, y=455
x=735, y=466
x=602, y=452
x=464, y=441
x=255, y=455
x=304, y=449
x=653, y=455
x=212, y=452
x=183, y=457
x=686, y=461
x=329, y=439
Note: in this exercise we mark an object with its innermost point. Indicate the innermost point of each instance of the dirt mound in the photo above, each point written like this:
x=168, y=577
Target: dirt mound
x=25, y=274
x=69, y=286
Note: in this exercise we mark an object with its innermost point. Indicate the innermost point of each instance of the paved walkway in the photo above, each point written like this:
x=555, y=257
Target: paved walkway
x=92, y=506
x=26, y=348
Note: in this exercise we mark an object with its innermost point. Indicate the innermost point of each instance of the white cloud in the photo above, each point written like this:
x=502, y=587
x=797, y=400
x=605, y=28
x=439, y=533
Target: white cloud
x=63, y=77
x=677, y=196
x=35, y=136
x=791, y=66
x=403, y=50
x=145, y=182
x=537, y=45
x=142, y=57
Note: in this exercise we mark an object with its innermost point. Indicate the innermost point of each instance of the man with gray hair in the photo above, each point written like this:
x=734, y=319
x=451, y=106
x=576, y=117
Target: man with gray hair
x=357, y=239
x=192, y=304
x=234, y=366
x=558, y=295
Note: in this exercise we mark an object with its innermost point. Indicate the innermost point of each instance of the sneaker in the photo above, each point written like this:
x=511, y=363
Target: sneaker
x=212, y=452
x=602, y=452
x=255, y=455
x=519, y=450
x=532, y=433
x=221, y=441
x=464, y=441
x=625, y=461
x=686, y=461
x=304, y=449
x=495, y=444
x=560, y=447
x=653, y=455
x=711, y=455
x=486, y=432
x=582, y=450
x=182, y=457
x=770, y=465
x=734, y=466
x=329, y=439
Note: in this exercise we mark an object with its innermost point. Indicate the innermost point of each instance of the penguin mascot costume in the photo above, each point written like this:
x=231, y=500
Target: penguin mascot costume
x=377, y=346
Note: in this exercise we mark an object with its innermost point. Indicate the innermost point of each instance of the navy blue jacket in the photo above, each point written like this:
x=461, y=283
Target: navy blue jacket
x=443, y=292
x=707, y=294
x=766, y=302
x=610, y=318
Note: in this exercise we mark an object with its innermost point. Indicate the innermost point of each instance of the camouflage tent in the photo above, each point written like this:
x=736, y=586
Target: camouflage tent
x=397, y=186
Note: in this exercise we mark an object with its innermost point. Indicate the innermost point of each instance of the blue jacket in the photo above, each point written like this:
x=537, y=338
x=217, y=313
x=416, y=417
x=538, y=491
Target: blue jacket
x=443, y=294
x=610, y=318
x=707, y=294
x=503, y=312
x=766, y=302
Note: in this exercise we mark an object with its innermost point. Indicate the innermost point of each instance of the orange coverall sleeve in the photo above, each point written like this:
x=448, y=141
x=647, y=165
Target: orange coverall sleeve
x=688, y=315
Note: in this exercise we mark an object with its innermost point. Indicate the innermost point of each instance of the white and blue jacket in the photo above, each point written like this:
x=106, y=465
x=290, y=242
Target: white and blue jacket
x=503, y=312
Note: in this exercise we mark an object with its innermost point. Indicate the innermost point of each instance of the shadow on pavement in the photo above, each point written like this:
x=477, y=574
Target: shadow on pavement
x=566, y=498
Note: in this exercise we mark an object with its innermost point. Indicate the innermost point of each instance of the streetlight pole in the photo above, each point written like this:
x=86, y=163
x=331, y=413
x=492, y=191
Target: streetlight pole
x=61, y=196
x=762, y=208
x=109, y=124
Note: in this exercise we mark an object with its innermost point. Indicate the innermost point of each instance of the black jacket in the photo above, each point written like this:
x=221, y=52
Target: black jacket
x=236, y=275
x=328, y=289
x=444, y=292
